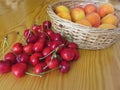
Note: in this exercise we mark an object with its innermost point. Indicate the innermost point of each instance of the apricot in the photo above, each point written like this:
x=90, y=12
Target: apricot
x=62, y=8
x=89, y=8
x=77, y=14
x=84, y=22
x=109, y=19
x=105, y=9
x=94, y=19
x=64, y=15
x=107, y=26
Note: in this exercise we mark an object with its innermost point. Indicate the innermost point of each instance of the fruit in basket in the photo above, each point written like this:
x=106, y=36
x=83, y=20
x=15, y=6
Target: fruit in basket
x=94, y=19
x=61, y=8
x=64, y=15
x=77, y=14
x=109, y=19
x=89, y=8
x=84, y=22
x=107, y=26
x=105, y=9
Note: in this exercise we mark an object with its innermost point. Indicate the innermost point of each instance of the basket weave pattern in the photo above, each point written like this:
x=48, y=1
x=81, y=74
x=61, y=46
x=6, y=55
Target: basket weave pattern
x=85, y=37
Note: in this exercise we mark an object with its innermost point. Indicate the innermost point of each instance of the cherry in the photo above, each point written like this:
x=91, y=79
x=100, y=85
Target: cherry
x=28, y=49
x=64, y=66
x=37, y=28
x=10, y=57
x=46, y=51
x=52, y=62
x=35, y=58
x=55, y=44
x=19, y=69
x=67, y=54
x=64, y=41
x=77, y=54
x=39, y=68
x=23, y=57
x=38, y=46
x=17, y=48
x=42, y=35
x=4, y=67
x=46, y=24
x=72, y=45
x=32, y=38
x=28, y=33
x=48, y=43
x=42, y=40
x=49, y=32
x=56, y=36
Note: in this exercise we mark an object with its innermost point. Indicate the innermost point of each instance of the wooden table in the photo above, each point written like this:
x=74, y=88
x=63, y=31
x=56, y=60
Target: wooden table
x=95, y=70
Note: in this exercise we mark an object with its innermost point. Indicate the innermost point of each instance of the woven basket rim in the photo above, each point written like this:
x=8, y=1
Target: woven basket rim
x=91, y=29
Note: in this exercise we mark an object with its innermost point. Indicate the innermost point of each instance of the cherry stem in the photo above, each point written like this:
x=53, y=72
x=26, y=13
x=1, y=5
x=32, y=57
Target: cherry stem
x=6, y=41
x=33, y=74
x=53, y=55
x=28, y=34
x=55, y=50
x=3, y=47
x=48, y=71
x=21, y=37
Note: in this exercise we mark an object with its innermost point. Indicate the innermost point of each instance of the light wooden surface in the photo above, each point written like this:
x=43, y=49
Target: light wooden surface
x=95, y=70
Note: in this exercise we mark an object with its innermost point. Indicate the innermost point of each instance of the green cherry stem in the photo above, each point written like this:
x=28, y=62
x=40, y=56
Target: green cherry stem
x=48, y=71
x=3, y=47
x=33, y=74
x=21, y=37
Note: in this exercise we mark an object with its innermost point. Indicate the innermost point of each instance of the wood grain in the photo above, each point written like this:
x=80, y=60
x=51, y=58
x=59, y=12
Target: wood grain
x=95, y=70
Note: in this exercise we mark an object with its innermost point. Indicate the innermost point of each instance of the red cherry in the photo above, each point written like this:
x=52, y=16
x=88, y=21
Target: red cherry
x=42, y=35
x=28, y=33
x=52, y=63
x=28, y=49
x=19, y=69
x=55, y=44
x=23, y=57
x=48, y=43
x=38, y=46
x=17, y=48
x=64, y=41
x=46, y=51
x=34, y=58
x=72, y=45
x=64, y=66
x=4, y=67
x=42, y=40
x=32, y=38
x=39, y=68
x=10, y=57
x=46, y=24
x=56, y=36
x=77, y=54
x=49, y=32
x=67, y=54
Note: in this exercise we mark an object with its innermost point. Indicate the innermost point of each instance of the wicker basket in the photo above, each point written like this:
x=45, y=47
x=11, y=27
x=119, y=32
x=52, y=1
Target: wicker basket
x=85, y=37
